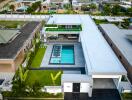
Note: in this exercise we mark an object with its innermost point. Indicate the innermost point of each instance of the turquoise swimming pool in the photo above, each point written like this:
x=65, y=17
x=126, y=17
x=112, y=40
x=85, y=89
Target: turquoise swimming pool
x=62, y=54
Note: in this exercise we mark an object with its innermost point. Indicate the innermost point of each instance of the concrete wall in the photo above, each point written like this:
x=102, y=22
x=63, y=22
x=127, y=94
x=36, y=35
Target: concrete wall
x=7, y=65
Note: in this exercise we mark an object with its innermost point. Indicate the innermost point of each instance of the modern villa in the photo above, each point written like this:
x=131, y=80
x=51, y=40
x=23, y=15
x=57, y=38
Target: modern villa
x=53, y=5
x=75, y=44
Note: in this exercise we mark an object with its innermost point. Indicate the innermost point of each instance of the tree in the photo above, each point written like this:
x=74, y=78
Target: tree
x=29, y=10
x=67, y=6
x=107, y=9
x=85, y=7
x=116, y=9
x=70, y=4
x=54, y=78
x=129, y=11
x=34, y=7
x=92, y=6
x=19, y=85
x=12, y=7
x=35, y=88
x=22, y=74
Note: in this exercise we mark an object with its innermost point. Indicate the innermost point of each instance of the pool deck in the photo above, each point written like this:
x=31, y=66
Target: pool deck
x=78, y=53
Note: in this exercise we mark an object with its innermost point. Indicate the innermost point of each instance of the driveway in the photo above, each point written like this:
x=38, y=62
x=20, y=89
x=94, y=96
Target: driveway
x=98, y=94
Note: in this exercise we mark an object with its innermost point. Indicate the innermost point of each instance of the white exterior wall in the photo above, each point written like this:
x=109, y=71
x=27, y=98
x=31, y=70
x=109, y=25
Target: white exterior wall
x=84, y=87
x=68, y=87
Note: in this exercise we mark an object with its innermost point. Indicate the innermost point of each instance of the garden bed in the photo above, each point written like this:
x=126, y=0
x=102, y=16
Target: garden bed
x=27, y=95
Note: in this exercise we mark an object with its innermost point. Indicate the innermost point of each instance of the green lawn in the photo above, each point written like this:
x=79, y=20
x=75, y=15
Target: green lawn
x=43, y=77
x=38, y=58
x=11, y=24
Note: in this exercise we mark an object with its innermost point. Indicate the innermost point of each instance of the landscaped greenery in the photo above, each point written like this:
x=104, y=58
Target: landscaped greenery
x=28, y=83
x=126, y=96
x=36, y=61
x=34, y=7
x=50, y=25
x=62, y=28
x=9, y=94
x=116, y=9
x=100, y=21
x=11, y=24
x=43, y=77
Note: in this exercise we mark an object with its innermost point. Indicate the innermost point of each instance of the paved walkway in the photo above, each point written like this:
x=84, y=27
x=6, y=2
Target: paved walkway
x=79, y=58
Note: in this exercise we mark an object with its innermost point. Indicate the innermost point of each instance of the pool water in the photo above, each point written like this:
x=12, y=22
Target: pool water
x=62, y=54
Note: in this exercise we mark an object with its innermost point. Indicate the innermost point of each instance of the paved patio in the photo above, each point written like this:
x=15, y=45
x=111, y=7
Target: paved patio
x=79, y=58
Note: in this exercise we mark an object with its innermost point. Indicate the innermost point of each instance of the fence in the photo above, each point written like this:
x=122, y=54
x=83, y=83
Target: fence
x=23, y=17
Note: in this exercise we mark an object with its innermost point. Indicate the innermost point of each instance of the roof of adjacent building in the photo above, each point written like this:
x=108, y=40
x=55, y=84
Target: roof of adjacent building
x=121, y=38
x=83, y=1
x=9, y=50
x=7, y=34
x=56, y=1
x=99, y=57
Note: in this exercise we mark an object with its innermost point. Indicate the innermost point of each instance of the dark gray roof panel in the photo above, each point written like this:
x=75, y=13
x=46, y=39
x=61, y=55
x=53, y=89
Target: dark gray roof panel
x=120, y=39
x=9, y=50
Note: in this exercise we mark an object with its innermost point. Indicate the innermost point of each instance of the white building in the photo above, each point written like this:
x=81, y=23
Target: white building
x=101, y=63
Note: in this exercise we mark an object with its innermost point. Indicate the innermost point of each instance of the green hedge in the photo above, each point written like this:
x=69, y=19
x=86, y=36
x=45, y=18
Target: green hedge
x=32, y=55
x=50, y=25
x=26, y=94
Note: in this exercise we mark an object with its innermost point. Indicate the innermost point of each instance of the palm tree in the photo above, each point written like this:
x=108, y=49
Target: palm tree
x=19, y=86
x=22, y=74
x=54, y=78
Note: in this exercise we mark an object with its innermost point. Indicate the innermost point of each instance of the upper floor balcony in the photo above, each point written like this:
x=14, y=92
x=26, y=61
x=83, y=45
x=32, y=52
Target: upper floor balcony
x=62, y=28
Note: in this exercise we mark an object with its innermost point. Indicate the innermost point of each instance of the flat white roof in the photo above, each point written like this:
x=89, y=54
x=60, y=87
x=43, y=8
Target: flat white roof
x=75, y=78
x=99, y=57
x=64, y=20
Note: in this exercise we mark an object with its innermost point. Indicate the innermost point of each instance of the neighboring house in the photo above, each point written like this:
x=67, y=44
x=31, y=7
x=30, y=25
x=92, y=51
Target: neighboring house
x=75, y=44
x=78, y=3
x=54, y=5
x=22, y=5
x=28, y=2
x=13, y=46
x=120, y=41
x=126, y=4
